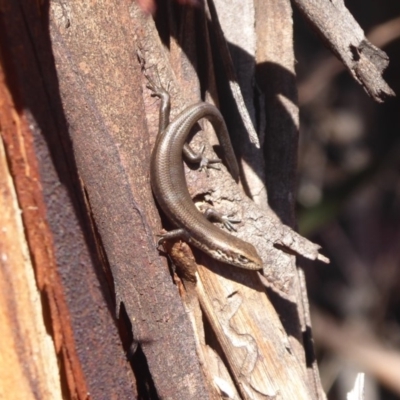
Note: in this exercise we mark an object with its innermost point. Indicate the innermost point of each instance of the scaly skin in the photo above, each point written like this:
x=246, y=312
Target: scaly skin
x=169, y=184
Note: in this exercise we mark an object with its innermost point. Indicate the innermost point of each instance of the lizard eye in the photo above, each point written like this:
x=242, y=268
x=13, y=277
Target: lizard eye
x=243, y=259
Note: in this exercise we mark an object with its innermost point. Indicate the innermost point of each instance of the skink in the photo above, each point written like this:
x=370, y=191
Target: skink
x=169, y=183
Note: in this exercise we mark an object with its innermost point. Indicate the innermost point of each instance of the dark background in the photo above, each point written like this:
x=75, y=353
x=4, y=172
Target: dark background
x=349, y=202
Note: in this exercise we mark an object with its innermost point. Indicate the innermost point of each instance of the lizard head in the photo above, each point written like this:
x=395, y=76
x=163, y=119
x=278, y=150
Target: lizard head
x=239, y=253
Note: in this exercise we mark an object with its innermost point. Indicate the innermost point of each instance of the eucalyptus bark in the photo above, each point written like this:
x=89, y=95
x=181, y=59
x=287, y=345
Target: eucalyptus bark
x=78, y=126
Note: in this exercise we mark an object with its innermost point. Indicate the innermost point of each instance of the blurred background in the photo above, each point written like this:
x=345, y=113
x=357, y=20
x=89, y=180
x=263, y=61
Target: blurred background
x=349, y=202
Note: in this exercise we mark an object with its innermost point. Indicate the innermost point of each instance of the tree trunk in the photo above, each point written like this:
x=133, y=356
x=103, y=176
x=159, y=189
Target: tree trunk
x=78, y=126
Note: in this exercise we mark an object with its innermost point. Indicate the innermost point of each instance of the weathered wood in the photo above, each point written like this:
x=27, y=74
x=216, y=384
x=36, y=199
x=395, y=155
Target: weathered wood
x=258, y=364
x=100, y=84
x=97, y=113
x=238, y=70
x=344, y=36
x=277, y=81
x=75, y=298
x=28, y=361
